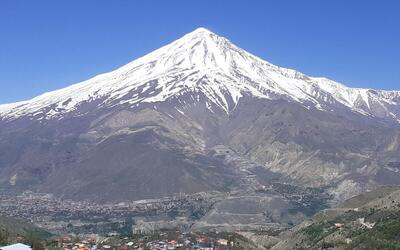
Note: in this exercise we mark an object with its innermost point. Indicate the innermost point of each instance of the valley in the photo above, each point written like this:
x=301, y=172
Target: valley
x=271, y=208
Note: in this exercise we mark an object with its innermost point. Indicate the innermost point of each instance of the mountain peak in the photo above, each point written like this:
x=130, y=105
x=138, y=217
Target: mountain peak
x=201, y=30
x=201, y=34
x=204, y=36
x=203, y=62
x=200, y=49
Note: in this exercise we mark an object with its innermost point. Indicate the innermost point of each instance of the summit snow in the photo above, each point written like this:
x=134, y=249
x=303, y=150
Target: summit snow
x=203, y=63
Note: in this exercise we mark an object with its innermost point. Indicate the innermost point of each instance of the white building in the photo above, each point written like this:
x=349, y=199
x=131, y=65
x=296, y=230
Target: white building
x=18, y=246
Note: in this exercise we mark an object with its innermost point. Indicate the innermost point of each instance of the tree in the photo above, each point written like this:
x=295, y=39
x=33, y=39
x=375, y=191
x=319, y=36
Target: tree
x=34, y=241
x=3, y=238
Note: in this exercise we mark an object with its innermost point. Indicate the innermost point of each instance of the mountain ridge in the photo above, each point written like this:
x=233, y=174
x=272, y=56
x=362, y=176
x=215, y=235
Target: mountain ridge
x=198, y=115
x=202, y=62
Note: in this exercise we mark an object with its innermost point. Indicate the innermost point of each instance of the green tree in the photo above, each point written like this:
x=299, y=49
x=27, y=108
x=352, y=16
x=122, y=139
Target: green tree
x=34, y=241
x=3, y=238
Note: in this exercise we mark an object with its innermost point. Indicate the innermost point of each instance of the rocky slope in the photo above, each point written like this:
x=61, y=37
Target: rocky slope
x=199, y=114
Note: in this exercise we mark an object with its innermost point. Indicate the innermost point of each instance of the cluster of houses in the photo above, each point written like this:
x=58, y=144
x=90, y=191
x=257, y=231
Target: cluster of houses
x=172, y=240
x=73, y=243
x=163, y=243
x=200, y=243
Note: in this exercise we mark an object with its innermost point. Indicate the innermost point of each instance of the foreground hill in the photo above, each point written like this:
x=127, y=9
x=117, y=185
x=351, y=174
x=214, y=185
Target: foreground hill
x=367, y=221
x=13, y=230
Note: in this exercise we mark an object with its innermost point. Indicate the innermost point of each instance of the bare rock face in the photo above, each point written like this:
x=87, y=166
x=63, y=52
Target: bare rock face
x=199, y=114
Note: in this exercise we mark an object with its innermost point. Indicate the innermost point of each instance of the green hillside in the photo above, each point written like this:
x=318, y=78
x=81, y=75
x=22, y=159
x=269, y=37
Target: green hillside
x=367, y=221
x=13, y=230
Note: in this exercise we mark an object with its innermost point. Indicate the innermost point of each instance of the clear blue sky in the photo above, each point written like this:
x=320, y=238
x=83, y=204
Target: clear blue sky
x=46, y=45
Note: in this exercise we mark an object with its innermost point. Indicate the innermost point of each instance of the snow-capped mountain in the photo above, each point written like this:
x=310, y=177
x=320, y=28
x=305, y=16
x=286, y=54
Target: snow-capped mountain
x=203, y=64
x=200, y=114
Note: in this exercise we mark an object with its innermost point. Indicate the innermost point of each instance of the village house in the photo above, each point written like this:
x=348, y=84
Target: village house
x=339, y=225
